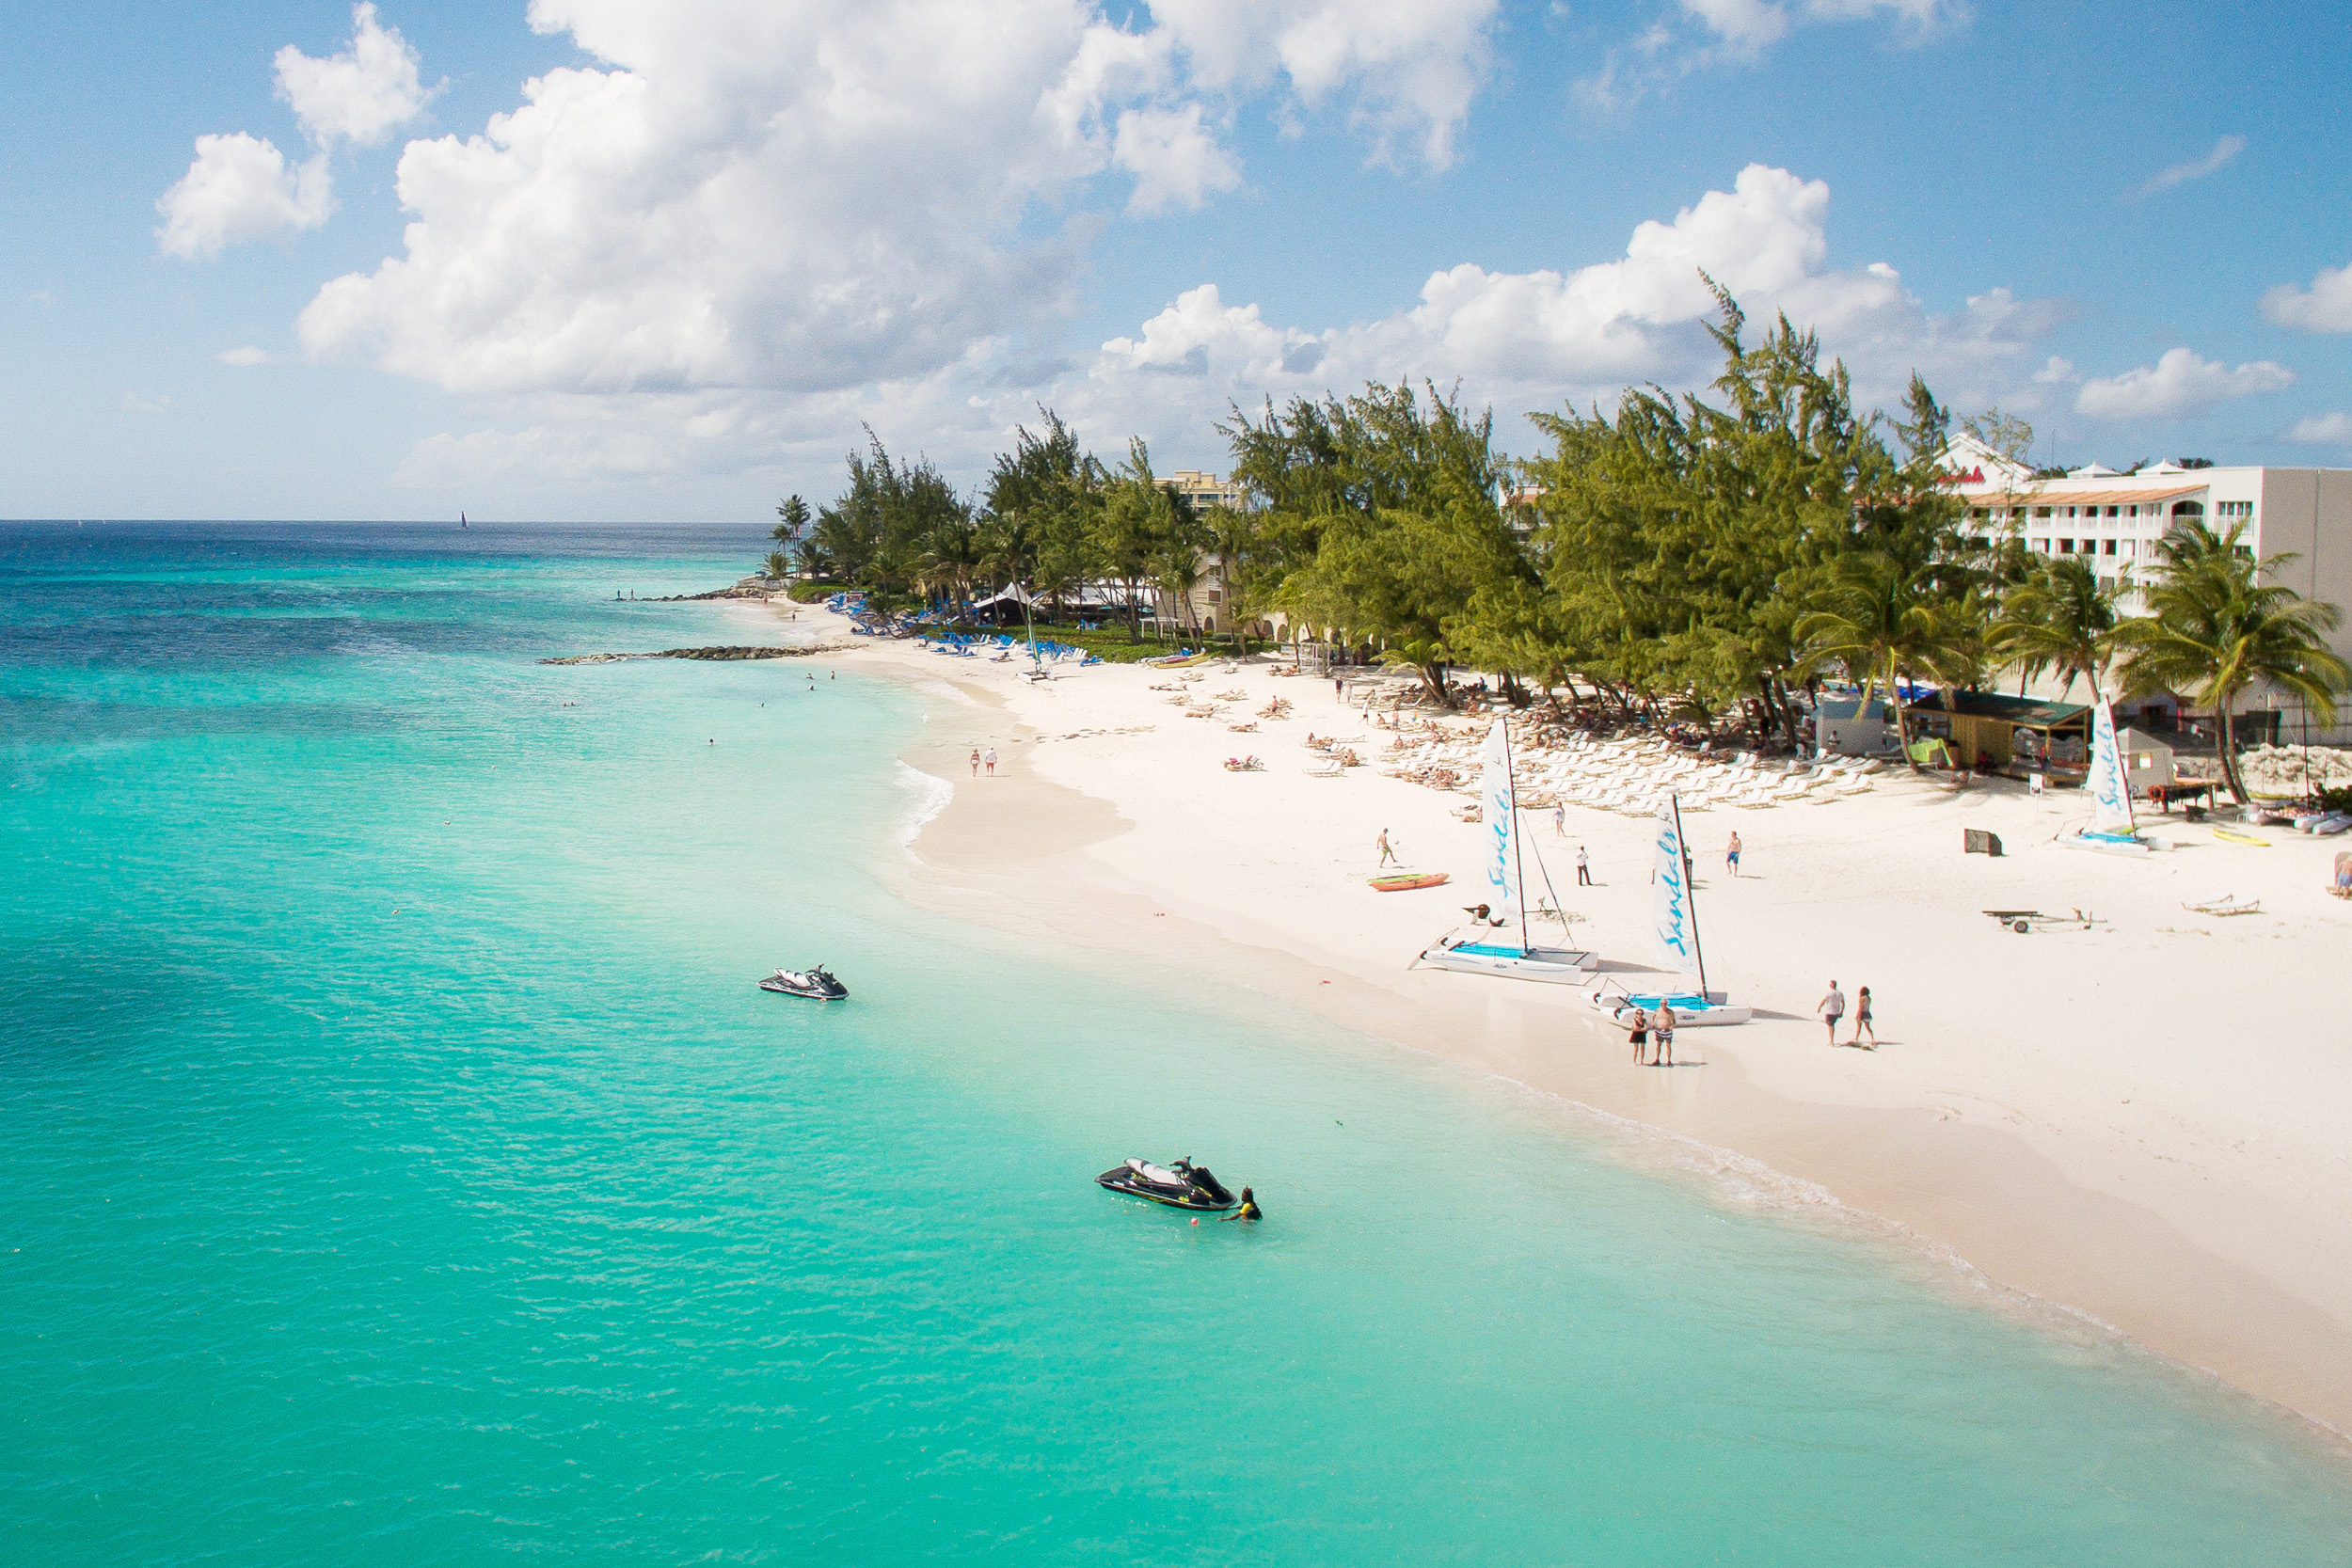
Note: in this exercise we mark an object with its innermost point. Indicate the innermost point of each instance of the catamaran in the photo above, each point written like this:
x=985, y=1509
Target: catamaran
x=2113, y=829
x=1481, y=950
x=1674, y=927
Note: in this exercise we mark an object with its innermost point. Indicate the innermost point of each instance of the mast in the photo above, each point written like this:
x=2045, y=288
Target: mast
x=1689, y=887
x=1519, y=862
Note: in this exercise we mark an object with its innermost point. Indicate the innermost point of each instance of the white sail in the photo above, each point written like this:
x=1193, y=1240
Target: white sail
x=1677, y=941
x=2110, y=790
x=1498, y=811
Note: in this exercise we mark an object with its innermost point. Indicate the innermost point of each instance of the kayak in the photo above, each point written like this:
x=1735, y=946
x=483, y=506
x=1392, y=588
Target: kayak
x=2231, y=836
x=1404, y=882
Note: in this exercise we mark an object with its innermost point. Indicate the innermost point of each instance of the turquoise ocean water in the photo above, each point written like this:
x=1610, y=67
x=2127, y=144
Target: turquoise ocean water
x=397, y=1164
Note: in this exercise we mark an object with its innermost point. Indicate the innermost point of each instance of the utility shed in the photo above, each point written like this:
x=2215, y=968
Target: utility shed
x=1992, y=733
x=2147, y=761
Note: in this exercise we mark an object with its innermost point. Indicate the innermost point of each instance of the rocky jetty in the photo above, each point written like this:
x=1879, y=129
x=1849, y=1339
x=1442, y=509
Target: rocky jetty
x=726, y=653
x=750, y=588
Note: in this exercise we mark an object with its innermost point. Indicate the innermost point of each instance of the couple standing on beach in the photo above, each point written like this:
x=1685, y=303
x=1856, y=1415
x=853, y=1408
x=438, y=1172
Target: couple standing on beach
x=1655, y=1029
x=978, y=760
x=1833, y=1008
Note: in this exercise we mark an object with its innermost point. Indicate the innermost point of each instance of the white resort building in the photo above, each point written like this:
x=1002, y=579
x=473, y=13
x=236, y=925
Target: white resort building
x=2116, y=519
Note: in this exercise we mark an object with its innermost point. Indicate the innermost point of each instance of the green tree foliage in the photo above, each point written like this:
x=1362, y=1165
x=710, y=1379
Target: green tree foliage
x=1683, y=538
x=1041, y=510
x=1881, y=622
x=1381, y=513
x=2216, y=628
x=2059, y=617
x=898, y=526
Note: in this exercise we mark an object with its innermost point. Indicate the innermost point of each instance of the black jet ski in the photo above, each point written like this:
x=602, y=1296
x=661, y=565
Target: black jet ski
x=815, y=983
x=1181, y=1186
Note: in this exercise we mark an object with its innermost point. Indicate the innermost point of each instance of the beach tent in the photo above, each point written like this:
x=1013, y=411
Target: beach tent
x=1862, y=729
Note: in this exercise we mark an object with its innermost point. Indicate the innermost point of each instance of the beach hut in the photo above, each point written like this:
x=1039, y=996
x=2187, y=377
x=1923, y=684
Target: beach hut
x=2007, y=735
x=2147, y=761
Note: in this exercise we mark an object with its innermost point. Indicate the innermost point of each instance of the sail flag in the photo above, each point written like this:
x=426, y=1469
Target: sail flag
x=1677, y=937
x=2110, y=792
x=1498, y=812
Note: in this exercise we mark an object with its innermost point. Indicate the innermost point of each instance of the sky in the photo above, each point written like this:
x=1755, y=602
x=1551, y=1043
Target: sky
x=589, y=260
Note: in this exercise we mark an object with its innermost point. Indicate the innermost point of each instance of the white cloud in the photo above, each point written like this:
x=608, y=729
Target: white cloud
x=2323, y=430
x=1411, y=66
x=2223, y=150
x=1519, y=340
x=2057, y=371
x=1742, y=24
x=802, y=196
x=2181, y=383
x=2324, y=307
x=239, y=188
x=361, y=94
x=243, y=358
x=134, y=404
x=1174, y=157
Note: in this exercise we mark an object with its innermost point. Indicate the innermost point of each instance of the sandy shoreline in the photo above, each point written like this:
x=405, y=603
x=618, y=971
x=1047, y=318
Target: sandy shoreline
x=2141, y=1122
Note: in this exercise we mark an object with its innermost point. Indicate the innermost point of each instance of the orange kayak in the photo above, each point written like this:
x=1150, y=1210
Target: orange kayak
x=1406, y=881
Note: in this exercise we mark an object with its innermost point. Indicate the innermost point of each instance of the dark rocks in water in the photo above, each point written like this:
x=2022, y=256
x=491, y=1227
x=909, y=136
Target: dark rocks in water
x=750, y=588
x=728, y=653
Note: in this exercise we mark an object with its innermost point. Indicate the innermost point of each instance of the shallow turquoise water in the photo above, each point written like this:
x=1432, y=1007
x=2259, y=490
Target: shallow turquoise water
x=396, y=1165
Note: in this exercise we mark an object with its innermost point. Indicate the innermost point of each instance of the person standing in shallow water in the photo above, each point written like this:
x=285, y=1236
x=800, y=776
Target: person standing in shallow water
x=1248, y=1210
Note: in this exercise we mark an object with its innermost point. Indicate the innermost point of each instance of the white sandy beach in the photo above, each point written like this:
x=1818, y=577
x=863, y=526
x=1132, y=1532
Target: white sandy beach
x=2143, y=1121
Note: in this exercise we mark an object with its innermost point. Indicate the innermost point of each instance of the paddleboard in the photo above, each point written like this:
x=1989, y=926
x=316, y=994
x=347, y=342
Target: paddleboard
x=1407, y=880
x=2231, y=836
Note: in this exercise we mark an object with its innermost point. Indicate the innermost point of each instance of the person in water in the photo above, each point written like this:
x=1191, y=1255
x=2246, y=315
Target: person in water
x=1248, y=1210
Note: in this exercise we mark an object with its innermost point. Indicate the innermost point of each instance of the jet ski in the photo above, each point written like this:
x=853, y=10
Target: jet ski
x=1181, y=1186
x=815, y=983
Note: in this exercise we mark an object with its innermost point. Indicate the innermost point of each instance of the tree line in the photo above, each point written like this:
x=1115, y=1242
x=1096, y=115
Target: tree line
x=1683, y=556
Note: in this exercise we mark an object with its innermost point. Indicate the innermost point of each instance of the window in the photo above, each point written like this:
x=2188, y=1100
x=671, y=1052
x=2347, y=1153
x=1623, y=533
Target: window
x=2115, y=512
x=2235, y=509
x=2066, y=546
x=2042, y=511
x=2110, y=549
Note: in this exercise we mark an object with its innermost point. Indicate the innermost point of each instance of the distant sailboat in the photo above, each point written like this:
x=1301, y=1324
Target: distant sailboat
x=461, y=519
x=1475, y=952
x=1674, y=930
x=2113, y=829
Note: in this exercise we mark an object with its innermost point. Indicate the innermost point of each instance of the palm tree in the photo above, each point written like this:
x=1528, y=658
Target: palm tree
x=2059, y=617
x=792, y=521
x=2215, y=629
x=779, y=565
x=1881, y=623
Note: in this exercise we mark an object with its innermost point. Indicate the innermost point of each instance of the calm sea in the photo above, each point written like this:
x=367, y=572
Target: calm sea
x=397, y=1166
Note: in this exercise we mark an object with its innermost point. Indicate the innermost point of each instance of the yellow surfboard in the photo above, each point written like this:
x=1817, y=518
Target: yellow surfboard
x=2231, y=836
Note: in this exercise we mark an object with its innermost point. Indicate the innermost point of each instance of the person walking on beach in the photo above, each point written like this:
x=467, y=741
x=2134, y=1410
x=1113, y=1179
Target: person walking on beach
x=975, y=762
x=1387, y=854
x=1833, y=1009
x=1862, y=1021
x=1731, y=855
x=1640, y=1037
x=1559, y=821
x=1662, y=1033
x=1584, y=867
x=991, y=760
x=1338, y=687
